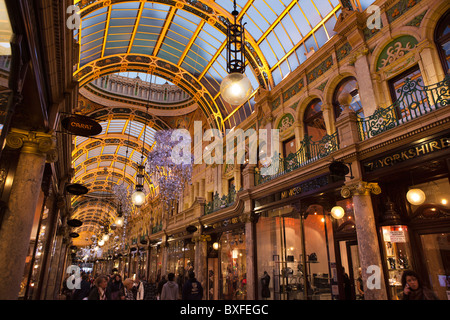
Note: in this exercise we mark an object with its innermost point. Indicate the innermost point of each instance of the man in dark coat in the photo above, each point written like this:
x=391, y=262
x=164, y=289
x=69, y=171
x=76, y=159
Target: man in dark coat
x=192, y=289
x=85, y=288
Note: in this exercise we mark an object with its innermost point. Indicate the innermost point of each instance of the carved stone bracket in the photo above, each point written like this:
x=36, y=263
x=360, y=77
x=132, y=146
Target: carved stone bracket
x=360, y=189
x=39, y=143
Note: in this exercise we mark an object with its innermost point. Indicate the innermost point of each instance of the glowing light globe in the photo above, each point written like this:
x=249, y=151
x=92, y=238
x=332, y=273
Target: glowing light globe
x=337, y=212
x=415, y=197
x=138, y=198
x=236, y=88
x=105, y=237
x=119, y=221
x=101, y=243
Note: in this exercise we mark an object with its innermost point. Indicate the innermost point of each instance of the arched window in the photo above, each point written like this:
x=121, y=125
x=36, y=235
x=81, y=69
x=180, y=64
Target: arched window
x=442, y=38
x=313, y=121
x=351, y=86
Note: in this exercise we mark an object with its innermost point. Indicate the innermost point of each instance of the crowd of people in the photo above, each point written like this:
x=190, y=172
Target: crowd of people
x=112, y=287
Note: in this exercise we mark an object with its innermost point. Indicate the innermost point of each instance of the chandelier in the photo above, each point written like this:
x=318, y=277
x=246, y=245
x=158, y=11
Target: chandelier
x=168, y=173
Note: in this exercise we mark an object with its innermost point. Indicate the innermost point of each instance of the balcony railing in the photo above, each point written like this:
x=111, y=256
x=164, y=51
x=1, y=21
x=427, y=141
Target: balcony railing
x=414, y=101
x=157, y=228
x=219, y=203
x=309, y=152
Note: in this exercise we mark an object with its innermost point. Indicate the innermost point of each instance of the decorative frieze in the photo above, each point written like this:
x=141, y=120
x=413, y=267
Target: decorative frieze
x=320, y=69
x=399, y=9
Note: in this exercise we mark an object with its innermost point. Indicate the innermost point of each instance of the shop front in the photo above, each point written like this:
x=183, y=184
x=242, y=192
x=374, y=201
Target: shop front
x=155, y=262
x=226, y=260
x=180, y=258
x=296, y=256
x=413, y=212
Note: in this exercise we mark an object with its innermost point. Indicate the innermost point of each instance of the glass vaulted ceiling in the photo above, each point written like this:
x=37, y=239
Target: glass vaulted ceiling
x=284, y=32
x=280, y=34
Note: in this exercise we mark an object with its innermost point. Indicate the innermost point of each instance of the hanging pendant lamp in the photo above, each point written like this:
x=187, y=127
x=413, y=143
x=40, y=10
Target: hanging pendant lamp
x=236, y=88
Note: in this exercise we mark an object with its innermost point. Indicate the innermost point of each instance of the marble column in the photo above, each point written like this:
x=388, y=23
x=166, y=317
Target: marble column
x=200, y=269
x=250, y=249
x=165, y=256
x=366, y=231
x=36, y=148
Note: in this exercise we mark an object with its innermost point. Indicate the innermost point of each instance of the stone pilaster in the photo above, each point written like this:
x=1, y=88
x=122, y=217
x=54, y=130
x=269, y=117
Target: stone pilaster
x=346, y=124
x=366, y=231
x=364, y=78
x=36, y=148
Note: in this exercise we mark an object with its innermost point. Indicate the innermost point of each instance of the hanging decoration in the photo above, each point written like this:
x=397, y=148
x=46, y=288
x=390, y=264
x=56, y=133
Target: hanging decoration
x=169, y=175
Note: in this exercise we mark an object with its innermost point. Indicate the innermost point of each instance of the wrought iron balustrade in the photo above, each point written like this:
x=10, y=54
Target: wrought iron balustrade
x=415, y=100
x=157, y=228
x=309, y=152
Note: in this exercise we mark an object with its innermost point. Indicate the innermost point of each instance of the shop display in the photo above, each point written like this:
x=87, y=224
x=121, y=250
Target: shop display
x=397, y=251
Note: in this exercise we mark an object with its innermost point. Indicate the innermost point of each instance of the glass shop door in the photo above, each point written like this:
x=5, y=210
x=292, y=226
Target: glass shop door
x=436, y=251
x=351, y=271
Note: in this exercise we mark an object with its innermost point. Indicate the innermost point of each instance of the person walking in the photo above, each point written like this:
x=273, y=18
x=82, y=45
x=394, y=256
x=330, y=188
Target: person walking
x=161, y=283
x=192, y=289
x=139, y=288
x=170, y=288
x=150, y=291
x=413, y=289
x=115, y=287
x=98, y=292
x=85, y=288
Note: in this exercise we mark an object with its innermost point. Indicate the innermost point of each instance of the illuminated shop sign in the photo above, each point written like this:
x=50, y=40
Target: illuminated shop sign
x=411, y=152
x=82, y=126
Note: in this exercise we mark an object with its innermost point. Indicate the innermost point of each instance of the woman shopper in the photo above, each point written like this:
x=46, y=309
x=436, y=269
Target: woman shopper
x=413, y=289
x=116, y=287
x=98, y=292
x=128, y=289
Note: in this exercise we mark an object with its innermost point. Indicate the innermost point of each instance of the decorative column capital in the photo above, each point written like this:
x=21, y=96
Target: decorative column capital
x=360, y=189
x=39, y=143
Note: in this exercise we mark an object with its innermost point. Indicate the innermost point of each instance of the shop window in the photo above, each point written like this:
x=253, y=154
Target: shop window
x=289, y=147
x=442, y=38
x=397, y=252
x=348, y=85
x=404, y=103
x=286, y=271
x=180, y=260
x=314, y=122
x=437, y=197
x=436, y=249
